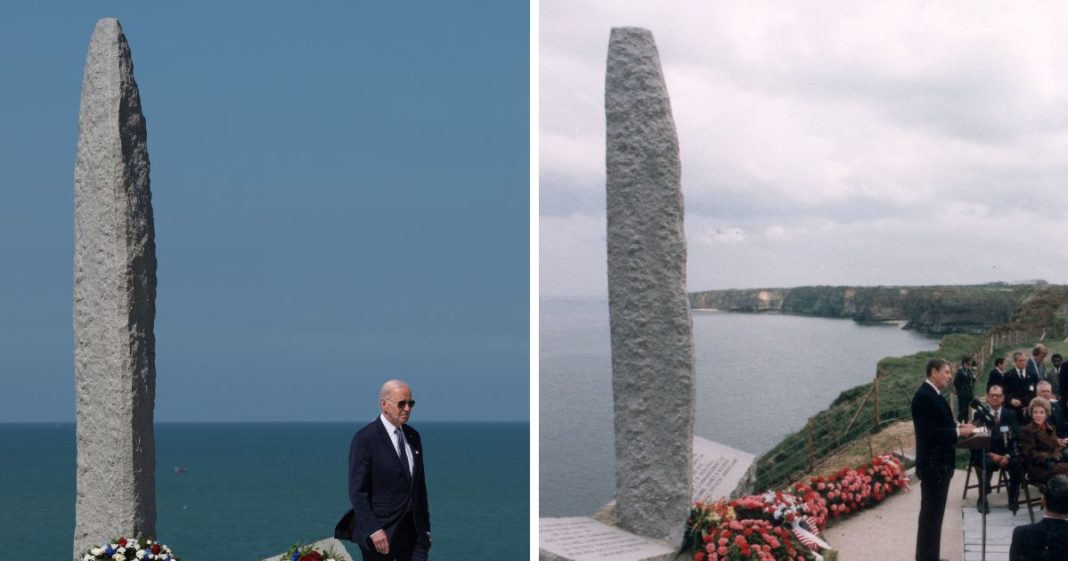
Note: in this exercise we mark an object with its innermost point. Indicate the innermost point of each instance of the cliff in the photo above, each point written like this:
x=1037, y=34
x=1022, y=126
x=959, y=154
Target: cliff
x=936, y=310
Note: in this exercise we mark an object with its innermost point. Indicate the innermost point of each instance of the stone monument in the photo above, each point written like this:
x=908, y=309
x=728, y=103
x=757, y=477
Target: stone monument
x=114, y=302
x=651, y=328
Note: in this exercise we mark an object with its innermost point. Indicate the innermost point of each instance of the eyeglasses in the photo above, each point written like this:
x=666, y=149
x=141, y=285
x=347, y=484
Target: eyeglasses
x=410, y=403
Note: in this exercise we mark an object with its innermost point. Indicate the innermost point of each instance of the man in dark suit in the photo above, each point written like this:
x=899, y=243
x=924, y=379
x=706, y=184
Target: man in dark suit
x=389, y=518
x=936, y=438
x=997, y=374
x=1004, y=433
x=1054, y=374
x=1048, y=539
x=1019, y=385
x=1036, y=365
x=964, y=384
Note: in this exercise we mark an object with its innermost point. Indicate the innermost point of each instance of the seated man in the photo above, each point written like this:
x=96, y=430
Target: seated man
x=1004, y=433
x=1048, y=539
x=1057, y=418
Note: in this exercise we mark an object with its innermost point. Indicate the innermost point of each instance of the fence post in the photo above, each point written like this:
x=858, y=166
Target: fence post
x=875, y=390
x=811, y=459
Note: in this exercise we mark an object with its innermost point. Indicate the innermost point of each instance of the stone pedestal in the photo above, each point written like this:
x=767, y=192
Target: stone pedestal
x=585, y=539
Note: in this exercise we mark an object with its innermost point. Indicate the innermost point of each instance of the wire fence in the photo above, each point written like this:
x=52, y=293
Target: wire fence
x=886, y=400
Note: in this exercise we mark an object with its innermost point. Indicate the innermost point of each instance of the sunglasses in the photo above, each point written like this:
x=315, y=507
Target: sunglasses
x=410, y=403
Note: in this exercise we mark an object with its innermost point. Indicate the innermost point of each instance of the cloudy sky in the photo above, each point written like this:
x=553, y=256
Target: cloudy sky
x=824, y=142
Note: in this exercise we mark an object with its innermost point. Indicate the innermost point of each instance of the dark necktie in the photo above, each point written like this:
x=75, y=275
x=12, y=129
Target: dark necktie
x=402, y=452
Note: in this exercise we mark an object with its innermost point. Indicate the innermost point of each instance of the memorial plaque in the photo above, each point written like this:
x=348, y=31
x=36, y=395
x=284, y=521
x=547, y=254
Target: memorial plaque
x=585, y=539
x=718, y=470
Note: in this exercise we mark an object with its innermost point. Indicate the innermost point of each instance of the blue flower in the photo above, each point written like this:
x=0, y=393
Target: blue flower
x=110, y=551
x=296, y=555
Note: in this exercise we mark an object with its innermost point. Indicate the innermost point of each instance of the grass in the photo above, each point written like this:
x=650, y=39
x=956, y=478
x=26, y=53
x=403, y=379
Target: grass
x=848, y=432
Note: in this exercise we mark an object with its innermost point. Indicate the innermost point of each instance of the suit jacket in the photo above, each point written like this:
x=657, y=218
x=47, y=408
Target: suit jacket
x=998, y=445
x=995, y=377
x=964, y=384
x=1036, y=369
x=1045, y=541
x=381, y=490
x=936, y=433
x=1022, y=389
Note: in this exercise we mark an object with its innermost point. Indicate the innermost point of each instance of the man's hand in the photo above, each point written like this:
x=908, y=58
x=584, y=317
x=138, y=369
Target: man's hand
x=380, y=541
x=966, y=429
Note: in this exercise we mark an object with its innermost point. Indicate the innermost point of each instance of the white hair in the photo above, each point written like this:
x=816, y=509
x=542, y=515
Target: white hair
x=391, y=385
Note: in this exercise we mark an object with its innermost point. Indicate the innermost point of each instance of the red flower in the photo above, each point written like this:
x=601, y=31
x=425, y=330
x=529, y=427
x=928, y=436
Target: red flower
x=123, y=542
x=155, y=549
x=699, y=556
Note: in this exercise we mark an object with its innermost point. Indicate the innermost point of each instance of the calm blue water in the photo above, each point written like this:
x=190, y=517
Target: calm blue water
x=759, y=377
x=257, y=488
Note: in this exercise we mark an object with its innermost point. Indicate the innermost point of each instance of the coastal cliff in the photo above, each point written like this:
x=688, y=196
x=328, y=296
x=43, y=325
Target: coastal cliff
x=937, y=310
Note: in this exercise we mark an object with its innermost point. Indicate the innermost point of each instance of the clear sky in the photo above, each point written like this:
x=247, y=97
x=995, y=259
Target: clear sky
x=340, y=194
x=825, y=142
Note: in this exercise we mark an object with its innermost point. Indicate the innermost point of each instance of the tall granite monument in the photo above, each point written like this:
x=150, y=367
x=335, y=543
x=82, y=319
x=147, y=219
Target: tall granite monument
x=651, y=328
x=114, y=302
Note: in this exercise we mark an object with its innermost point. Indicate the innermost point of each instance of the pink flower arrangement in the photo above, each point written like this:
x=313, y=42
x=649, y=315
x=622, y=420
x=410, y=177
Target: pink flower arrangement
x=760, y=527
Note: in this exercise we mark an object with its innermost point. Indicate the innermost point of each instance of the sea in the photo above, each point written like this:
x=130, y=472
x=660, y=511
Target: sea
x=759, y=378
x=249, y=491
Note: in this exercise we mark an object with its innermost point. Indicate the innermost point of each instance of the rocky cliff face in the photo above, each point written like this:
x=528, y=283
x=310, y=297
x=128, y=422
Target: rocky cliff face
x=929, y=309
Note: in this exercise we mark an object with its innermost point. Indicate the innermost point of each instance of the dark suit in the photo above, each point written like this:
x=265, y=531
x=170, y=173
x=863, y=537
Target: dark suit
x=1036, y=370
x=1003, y=443
x=964, y=384
x=936, y=438
x=384, y=495
x=995, y=377
x=1019, y=388
x=1045, y=541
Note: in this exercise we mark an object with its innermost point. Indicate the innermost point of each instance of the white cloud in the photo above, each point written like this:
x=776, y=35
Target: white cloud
x=890, y=142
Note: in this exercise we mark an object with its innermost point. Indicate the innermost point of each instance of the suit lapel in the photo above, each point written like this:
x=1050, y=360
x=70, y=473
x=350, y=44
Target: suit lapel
x=387, y=442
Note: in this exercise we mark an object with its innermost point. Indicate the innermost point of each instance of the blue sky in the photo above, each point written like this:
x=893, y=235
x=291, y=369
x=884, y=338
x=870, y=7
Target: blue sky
x=340, y=193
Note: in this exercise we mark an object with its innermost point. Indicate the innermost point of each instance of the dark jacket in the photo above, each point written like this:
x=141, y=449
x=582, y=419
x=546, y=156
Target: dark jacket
x=995, y=377
x=1022, y=389
x=381, y=490
x=936, y=433
x=1045, y=541
x=1002, y=442
x=1038, y=444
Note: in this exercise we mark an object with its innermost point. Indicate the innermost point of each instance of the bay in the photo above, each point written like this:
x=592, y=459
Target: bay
x=759, y=378
x=253, y=489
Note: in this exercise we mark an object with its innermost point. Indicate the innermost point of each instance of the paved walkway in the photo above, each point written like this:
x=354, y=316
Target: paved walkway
x=999, y=525
x=888, y=531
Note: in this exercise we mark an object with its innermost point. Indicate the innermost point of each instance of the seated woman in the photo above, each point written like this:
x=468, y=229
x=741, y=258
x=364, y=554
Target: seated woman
x=1039, y=444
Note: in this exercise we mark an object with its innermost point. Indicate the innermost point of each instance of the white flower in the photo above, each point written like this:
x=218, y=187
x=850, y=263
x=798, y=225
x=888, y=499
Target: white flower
x=119, y=557
x=140, y=554
x=96, y=551
x=122, y=550
x=87, y=557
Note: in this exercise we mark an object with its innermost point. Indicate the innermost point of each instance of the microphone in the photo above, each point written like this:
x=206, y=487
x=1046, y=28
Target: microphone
x=983, y=411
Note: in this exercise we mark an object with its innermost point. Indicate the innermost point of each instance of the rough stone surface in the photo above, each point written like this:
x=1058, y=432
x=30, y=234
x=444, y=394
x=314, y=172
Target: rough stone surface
x=114, y=302
x=328, y=543
x=651, y=328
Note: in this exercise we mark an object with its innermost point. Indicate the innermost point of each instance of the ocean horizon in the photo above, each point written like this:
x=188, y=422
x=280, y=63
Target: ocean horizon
x=252, y=489
x=758, y=376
